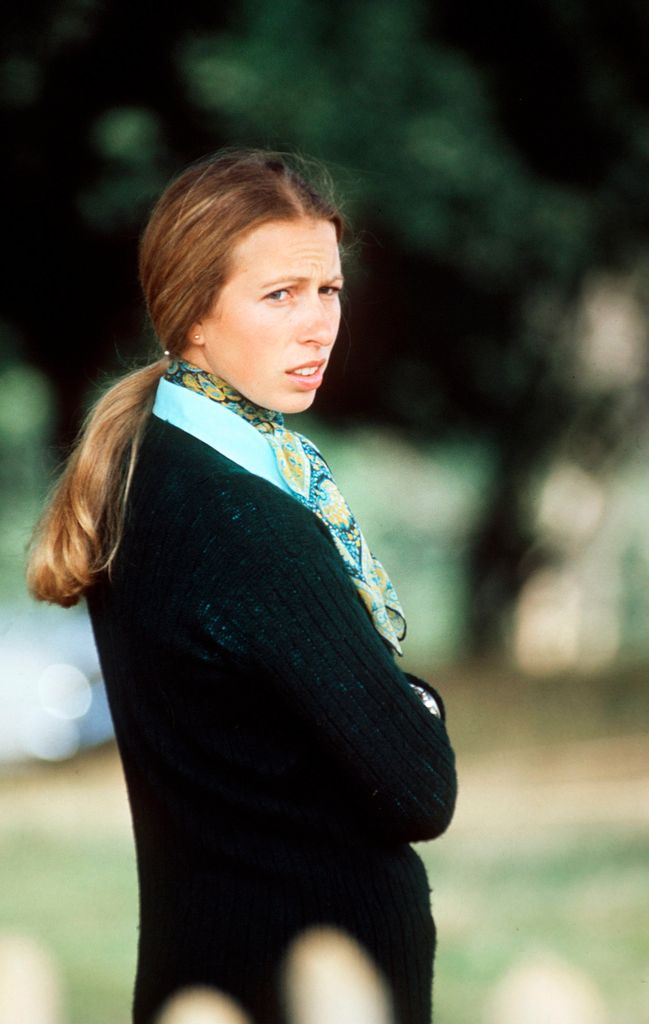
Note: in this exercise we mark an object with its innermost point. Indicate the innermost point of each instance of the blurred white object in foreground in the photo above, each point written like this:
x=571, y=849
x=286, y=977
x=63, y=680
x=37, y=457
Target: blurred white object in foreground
x=543, y=989
x=29, y=985
x=201, y=1006
x=330, y=980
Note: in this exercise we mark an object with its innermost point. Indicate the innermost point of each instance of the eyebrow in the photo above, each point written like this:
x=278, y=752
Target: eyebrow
x=298, y=280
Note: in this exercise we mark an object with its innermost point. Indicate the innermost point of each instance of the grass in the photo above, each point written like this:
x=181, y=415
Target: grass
x=78, y=898
x=510, y=879
x=581, y=897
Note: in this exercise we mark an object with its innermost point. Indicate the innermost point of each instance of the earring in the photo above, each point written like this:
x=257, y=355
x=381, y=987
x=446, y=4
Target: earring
x=167, y=352
x=197, y=336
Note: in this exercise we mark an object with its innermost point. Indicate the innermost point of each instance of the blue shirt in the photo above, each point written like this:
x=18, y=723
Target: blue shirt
x=219, y=427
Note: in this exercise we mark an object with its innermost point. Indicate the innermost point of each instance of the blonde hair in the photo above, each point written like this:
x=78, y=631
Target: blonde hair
x=185, y=259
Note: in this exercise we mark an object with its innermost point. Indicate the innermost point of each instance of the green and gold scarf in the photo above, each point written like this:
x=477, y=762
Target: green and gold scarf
x=309, y=479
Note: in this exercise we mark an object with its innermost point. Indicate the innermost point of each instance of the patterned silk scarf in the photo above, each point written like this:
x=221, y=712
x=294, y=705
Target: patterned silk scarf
x=309, y=478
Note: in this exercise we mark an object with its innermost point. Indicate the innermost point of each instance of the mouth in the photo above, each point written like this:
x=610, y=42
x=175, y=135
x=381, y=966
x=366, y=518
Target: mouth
x=308, y=375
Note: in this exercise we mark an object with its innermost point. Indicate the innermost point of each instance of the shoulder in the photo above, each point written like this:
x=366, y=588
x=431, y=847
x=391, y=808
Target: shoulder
x=190, y=484
x=199, y=525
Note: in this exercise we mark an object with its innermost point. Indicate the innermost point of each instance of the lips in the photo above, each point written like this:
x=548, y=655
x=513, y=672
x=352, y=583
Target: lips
x=308, y=381
x=307, y=366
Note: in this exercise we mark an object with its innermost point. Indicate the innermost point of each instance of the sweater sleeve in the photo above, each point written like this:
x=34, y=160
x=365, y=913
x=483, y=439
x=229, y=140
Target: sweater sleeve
x=293, y=612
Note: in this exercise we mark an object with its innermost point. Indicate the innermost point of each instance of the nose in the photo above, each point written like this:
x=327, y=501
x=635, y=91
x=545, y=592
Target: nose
x=320, y=322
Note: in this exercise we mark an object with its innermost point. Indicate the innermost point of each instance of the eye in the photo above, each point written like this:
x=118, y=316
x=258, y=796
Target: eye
x=330, y=290
x=279, y=295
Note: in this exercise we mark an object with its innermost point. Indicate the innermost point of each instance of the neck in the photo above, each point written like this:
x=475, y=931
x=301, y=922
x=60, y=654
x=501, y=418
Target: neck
x=188, y=375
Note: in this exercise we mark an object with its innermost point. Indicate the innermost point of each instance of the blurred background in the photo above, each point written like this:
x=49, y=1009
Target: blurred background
x=486, y=414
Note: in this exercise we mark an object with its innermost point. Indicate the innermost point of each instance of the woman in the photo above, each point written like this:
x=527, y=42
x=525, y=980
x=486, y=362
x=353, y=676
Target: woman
x=278, y=762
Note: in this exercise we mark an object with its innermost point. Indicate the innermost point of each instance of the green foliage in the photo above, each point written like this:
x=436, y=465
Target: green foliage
x=133, y=158
x=25, y=423
x=413, y=121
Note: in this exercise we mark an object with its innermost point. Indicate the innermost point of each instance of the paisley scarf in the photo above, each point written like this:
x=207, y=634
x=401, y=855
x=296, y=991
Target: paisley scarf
x=309, y=478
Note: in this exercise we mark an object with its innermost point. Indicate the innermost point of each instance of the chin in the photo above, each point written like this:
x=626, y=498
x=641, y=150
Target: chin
x=296, y=403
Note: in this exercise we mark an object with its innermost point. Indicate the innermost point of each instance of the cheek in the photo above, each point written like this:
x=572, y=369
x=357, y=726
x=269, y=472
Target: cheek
x=250, y=343
x=263, y=323
x=245, y=334
x=262, y=347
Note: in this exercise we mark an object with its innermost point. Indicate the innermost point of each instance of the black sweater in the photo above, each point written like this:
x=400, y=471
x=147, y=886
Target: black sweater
x=277, y=761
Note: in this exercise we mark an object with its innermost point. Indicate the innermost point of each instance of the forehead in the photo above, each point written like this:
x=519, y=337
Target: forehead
x=287, y=247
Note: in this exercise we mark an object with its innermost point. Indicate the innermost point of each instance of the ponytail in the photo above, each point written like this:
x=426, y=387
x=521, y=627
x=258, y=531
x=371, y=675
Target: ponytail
x=79, y=533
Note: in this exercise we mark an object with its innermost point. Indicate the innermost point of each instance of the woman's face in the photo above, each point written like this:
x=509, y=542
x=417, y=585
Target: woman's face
x=272, y=328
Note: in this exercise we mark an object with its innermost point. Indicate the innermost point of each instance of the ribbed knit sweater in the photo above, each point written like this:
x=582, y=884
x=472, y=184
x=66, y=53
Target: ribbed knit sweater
x=278, y=763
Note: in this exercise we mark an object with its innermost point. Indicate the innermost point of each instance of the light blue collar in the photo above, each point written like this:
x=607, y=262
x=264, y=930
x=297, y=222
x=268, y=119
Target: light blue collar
x=220, y=428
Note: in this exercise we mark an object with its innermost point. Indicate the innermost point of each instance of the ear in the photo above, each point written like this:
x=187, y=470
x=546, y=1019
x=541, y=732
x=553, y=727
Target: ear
x=195, y=334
